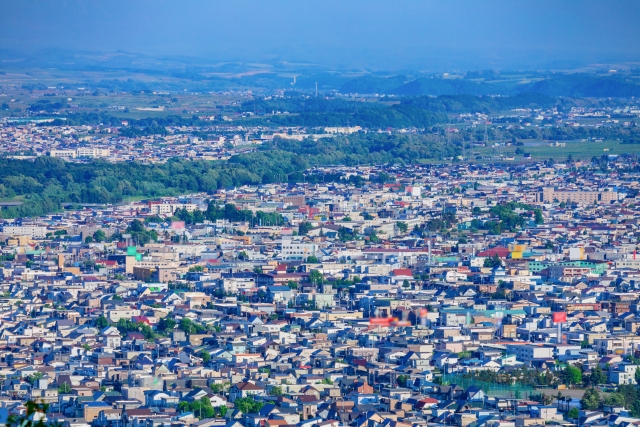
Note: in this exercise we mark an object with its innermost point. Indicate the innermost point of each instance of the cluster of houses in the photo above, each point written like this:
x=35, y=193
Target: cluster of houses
x=379, y=305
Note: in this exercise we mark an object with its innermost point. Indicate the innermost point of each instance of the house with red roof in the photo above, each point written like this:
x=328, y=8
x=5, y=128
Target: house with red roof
x=141, y=319
x=501, y=251
x=402, y=274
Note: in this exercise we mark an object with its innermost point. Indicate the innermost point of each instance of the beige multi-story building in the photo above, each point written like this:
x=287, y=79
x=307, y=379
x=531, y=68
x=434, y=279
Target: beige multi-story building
x=93, y=152
x=170, y=208
x=294, y=199
x=621, y=344
x=528, y=352
x=63, y=154
x=550, y=194
x=90, y=152
x=122, y=313
x=33, y=231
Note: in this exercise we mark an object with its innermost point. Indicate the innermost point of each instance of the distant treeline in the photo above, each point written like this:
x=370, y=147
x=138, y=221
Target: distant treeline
x=396, y=116
x=44, y=185
x=419, y=112
x=443, y=103
x=567, y=85
x=480, y=104
x=77, y=119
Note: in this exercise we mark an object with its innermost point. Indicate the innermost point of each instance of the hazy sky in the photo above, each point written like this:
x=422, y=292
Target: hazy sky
x=389, y=34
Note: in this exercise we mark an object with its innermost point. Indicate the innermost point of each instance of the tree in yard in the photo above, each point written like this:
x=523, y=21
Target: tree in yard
x=206, y=356
x=187, y=325
x=559, y=398
x=316, y=277
x=402, y=380
x=312, y=259
x=492, y=262
x=590, y=400
x=630, y=397
x=538, y=216
x=35, y=416
x=33, y=378
x=223, y=410
x=64, y=388
x=248, y=405
x=101, y=322
x=201, y=408
x=402, y=226
x=636, y=376
x=88, y=239
x=546, y=400
x=276, y=391
x=405, y=283
x=598, y=377
x=616, y=399
x=292, y=285
x=219, y=388
x=99, y=236
x=572, y=375
x=304, y=228
x=166, y=324
x=573, y=413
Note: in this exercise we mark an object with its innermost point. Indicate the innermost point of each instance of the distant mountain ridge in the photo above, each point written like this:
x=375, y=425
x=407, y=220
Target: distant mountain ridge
x=120, y=71
x=567, y=85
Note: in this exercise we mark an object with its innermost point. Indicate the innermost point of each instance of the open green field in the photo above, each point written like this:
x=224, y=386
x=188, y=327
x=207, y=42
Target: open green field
x=578, y=150
x=542, y=150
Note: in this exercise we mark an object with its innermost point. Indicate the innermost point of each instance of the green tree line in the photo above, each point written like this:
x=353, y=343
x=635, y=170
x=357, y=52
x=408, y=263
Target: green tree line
x=45, y=184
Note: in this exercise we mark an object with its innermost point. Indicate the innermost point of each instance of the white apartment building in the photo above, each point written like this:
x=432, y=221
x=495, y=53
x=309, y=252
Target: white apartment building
x=294, y=250
x=125, y=313
x=90, y=152
x=529, y=352
x=620, y=344
x=170, y=208
x=628, y=263
x=625, y=374
x=93, y=152
x=63, y=154
x=33, y=231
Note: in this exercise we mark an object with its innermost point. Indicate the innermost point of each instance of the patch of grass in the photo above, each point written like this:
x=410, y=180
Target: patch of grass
x=542, y=151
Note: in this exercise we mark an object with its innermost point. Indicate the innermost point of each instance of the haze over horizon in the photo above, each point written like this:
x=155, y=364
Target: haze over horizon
x=431, y=36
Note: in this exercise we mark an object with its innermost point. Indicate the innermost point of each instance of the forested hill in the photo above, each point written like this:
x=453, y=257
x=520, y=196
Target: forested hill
x=484, y=104
x=419, y=112
x=320, y=111
x=584, y=85
x=567, y=85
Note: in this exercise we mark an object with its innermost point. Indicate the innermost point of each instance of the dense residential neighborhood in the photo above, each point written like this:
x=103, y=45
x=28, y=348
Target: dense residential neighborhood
x=219, y=137
x=467, y=295
x=319, y=214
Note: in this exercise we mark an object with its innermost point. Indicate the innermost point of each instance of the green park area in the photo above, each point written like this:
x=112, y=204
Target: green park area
x=581, y=150
x=543, y=150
